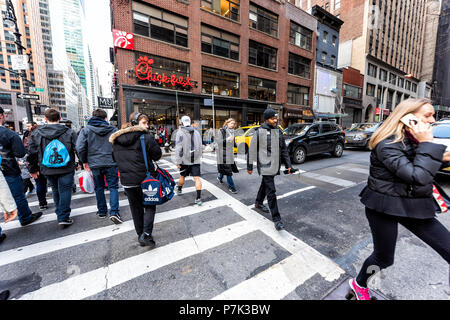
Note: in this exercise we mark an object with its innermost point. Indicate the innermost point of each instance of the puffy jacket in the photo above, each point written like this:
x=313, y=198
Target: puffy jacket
x=40, y=138
x=93, y=144
x=127, y=153
x=401, y=178
x=188, y=146
x=11, y=147
x=221, y=140
x=256, y=145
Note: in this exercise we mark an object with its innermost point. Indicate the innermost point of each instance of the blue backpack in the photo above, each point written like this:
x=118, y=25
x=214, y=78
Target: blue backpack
x=55, y=155
x=157, y=189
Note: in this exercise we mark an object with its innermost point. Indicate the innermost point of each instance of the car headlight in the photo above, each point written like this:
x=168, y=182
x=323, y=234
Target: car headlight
x=360, y=136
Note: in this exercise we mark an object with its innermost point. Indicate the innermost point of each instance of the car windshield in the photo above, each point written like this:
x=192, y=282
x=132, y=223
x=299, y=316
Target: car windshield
x=441, y=131
x=363, y=127
x=297, y=130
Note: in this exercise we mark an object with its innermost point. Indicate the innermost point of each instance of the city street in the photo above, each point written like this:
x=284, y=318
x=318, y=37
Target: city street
x=224, y=249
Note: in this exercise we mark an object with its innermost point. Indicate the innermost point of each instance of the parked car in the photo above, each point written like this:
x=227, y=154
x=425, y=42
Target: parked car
x=243, y=138
x=360, y=134
x=308, y=139
x=441, y=133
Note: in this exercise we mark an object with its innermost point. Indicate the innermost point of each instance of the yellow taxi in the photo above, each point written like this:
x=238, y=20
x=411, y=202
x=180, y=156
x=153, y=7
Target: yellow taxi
x=243, y=138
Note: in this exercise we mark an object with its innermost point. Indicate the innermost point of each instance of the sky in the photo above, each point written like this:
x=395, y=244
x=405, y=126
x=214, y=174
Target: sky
x=99, y=36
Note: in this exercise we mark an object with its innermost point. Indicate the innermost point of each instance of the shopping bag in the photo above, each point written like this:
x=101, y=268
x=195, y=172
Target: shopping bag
x=86, y=181
x=442, y=200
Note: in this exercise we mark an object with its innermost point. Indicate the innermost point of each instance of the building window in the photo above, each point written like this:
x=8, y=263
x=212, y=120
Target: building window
x=262, y=55
x=334, y=41
x=333, y=61
x=300, y=36
x=352, y=91
x=370, y=90
x=220, y=82
x=392, y=78
x=337, y=4
x=11, y=48
x=15, y=84
x=408, y=85
x=263, y=20
x=414, y=88
x=401, y=82
x=383, y=75
x=299, y=66
x=324, y=57
x=220, y=43
x=327, y=7
x=226, y=8
x=5, y=98
x=161, y=25
x=372, y=70
x=325, y=36
x=298, y=95
x=262, y=89
x=167, y=66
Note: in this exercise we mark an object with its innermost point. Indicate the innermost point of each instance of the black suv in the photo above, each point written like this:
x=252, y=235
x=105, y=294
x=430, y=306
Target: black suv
x=308, y=139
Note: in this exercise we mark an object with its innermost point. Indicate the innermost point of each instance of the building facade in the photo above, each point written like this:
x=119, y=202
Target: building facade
x=328, y=78
x=240, y=56
x=352, y=96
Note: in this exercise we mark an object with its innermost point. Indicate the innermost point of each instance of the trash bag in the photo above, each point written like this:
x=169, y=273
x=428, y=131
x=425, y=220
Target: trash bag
x=86, y=181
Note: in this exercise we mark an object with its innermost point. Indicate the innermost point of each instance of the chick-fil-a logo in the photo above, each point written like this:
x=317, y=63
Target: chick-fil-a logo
x=144, y=72
x=123, y=39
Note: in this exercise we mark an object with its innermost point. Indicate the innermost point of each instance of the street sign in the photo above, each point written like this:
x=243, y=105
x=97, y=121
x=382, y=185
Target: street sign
x=28, y=96
x=19, y=62
x=105, y=103
x=32, y=89
x=208, y=102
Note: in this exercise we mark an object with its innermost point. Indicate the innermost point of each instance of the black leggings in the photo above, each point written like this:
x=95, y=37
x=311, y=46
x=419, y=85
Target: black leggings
x=143, y=216
x=384, y=232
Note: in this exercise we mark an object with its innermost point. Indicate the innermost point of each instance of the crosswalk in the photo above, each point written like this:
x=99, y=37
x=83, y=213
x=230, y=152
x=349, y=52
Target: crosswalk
x=109, y=264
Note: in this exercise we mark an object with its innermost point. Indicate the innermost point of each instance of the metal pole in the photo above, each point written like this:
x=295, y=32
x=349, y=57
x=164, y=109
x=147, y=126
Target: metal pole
x=178, y=110
x=214, y=113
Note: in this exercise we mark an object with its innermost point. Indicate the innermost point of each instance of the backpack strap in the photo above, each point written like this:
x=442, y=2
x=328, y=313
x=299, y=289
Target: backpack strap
x=144, y=152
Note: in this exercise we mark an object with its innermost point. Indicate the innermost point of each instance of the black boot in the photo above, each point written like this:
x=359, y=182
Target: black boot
x=146, y=240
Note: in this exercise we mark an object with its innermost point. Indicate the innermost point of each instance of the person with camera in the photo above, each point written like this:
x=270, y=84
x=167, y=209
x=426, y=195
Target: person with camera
x=403, y=164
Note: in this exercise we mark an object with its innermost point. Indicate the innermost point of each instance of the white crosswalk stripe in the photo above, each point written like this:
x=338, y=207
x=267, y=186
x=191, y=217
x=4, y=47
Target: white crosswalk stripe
x=275, y=282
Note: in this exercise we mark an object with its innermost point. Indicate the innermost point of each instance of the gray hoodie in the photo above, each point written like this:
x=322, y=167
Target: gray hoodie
x=188, y=147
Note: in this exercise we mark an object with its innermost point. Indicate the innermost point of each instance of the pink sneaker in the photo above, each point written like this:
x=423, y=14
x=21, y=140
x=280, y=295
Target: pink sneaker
x=360, y=293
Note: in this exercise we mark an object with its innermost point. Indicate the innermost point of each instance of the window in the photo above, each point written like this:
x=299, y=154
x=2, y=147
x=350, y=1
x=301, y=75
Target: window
x=372, y=70
x=327, y=6
x=161, y=25
x=261, y=89
x=352, y=91
x=220, y=43
x=401, y=82
x=9, y=36
x=300, y=36
x=408, y=85
x=223, y=83
x=337, y=4
x=334, y=41
x=329, y=128
x=263, y=20
x=299, y=66
x=392, y=78
x=414, y=87
x=383, y=75
x=5, y=98
x=370, y=90
x=262, y=55
x=298, y=95
x=333, y=60
x=323, y=57
x=168, y=66
x=325, y=36
x=15, y=84
x=226, y=8
x=11, y=48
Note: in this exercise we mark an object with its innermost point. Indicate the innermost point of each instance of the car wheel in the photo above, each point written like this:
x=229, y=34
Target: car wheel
x=338, y=150
x=299, y=155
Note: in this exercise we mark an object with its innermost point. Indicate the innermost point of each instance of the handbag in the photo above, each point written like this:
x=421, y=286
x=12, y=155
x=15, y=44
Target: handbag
x=234, y=168
x=442, y=200
x=159, y=188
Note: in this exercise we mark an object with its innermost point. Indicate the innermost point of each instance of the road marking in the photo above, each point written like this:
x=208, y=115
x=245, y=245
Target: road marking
x=96, y=281
x=22, y=253
x=331, y=180
x=274, y=283
x=75, y=212
x=74, y=197
x=354, y=169
x=288, y=194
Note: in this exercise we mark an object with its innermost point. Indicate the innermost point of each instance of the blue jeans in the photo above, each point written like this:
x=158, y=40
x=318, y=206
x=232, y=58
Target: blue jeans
x=229, y=180
x=15, y=184
x=61, y=185
x=112, y=179
x=41, y=189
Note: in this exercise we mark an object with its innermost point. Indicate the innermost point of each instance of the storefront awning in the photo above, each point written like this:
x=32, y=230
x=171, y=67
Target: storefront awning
x=298, y=113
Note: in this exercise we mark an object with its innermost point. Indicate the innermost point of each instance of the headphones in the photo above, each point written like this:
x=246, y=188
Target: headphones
x=135, y=122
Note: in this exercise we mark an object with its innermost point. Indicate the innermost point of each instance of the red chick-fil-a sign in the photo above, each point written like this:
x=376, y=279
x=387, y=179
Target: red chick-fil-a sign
x=123, y=40
x=144, y=72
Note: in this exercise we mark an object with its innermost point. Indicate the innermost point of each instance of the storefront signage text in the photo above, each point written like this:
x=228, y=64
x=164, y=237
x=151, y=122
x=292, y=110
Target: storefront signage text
x=144, y=72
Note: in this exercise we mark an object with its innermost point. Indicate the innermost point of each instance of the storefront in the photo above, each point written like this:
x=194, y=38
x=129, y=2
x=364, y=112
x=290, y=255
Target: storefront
x=292, y=115
x=353, y=112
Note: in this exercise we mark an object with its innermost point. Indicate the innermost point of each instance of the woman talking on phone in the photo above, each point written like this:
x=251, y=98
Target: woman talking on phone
x=403, y=164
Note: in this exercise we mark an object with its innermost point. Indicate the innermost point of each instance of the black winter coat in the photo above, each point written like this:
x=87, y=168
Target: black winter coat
x=224, y=168
x=11, y=147
x=127, y=153
x=401, y=178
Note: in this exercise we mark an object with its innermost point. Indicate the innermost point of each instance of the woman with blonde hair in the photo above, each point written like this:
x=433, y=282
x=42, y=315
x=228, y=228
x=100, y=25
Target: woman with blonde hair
x=403, y=164
x=226, y=137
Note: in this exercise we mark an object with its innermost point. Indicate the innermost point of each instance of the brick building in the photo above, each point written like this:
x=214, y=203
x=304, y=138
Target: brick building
x=352, y=95
x=250, y=55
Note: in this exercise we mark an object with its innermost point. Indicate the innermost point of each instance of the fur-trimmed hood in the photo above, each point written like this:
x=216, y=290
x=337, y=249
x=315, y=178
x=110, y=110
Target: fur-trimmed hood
x=127, y=136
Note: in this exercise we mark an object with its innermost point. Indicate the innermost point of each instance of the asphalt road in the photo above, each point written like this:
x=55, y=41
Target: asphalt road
x=224, y=249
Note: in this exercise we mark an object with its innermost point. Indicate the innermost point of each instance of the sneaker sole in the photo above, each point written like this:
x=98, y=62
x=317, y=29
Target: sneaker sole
x=350, y=283
x=116, y=220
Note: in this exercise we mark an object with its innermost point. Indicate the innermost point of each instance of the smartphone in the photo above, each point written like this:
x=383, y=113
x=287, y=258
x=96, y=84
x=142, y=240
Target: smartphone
x=409, y=119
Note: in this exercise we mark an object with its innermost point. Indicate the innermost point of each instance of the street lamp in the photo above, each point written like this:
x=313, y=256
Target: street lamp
x=10, y=21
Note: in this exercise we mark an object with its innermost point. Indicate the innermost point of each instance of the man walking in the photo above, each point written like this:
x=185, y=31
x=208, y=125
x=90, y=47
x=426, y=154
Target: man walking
x=188, y=153
x=95, y=152
x=52, y=153
x=269, y=151
x=11, y=147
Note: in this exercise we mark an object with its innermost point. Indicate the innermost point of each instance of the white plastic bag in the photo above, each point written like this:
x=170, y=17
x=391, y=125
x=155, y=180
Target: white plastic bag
x=86, y=181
